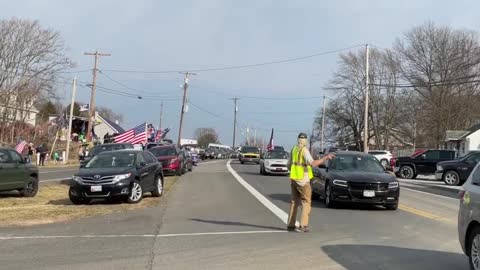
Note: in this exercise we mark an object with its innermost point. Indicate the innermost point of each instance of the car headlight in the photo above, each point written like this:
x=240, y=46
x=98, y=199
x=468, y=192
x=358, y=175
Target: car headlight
x=341, y=183
x=77, y=179
x=393, y=185
x=439, y=168
x=121, y=177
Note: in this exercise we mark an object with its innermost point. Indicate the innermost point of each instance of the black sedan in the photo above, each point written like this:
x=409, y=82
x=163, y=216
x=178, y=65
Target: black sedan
x=357, y=178
x=124, y=173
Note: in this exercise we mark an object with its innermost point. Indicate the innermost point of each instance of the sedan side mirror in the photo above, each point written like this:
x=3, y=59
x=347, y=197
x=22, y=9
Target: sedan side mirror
x=423, y=156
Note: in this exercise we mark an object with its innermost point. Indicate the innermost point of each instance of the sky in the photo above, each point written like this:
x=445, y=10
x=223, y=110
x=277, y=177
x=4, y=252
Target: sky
x=155, y=35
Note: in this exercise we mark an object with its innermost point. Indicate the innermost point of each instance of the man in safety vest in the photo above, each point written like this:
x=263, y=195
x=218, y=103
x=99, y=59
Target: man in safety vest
x=301, y=163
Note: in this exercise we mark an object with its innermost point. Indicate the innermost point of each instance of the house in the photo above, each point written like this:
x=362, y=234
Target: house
x=28, y=114
x=463, y=140
x=105, y=126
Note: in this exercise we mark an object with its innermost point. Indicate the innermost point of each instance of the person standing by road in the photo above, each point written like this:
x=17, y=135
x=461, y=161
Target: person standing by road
x=43, y=154
x=30, y=152
x=300, y=164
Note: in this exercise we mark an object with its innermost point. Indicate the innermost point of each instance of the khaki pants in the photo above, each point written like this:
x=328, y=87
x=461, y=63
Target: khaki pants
x=300, y=195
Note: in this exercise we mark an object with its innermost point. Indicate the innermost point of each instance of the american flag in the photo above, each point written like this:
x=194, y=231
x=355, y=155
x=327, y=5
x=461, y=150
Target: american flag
x=21, y=146
x=135, y=135
x=270, y=143
x=161, y=134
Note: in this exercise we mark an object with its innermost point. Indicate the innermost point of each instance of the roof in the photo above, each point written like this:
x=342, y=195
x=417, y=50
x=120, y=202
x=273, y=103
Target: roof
x=350, y=153
x=456, y=135
x=117, y=128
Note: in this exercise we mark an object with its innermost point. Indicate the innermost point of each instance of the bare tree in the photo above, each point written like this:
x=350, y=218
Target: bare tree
x=205, y=136
x=31, y=58
x=109, y=114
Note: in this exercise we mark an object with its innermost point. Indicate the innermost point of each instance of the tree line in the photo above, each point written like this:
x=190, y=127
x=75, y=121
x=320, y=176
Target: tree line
x=427, y=83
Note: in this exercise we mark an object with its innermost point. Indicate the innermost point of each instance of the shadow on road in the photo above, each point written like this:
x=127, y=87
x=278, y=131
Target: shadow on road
x=236, y=223
x=366, y=257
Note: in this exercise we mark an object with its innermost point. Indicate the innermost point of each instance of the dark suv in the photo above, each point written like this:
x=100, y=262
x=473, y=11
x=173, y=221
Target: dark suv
x=456, y=172
x=16, y=174
x=422, y=162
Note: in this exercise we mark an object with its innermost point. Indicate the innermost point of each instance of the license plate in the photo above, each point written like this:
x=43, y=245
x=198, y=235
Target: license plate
x=96, y=188
x=279, y=169
x=369, y=193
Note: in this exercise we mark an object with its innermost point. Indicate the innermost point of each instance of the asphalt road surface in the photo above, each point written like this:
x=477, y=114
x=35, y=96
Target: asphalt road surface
x=213, y=220
x=56, y=174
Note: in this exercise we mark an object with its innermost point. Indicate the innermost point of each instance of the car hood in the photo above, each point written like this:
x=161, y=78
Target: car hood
x=450, y=162
x=276, y=161
x=381, y=177
x=103, y=171
x=405, y=158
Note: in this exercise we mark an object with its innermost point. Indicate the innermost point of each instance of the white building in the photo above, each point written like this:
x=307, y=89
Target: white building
x=28, y=114
x=104, y=126
x=463, y=140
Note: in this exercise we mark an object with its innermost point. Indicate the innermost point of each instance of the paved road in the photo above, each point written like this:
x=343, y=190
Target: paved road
x=210, y=221
x=56, y=174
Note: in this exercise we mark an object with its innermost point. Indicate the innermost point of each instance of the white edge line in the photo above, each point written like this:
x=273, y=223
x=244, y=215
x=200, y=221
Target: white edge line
x=282, y=215
x=132, y=235
x=430, y=194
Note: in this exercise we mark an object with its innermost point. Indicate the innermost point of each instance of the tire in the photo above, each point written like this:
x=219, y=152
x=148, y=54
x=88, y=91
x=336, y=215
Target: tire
x=392, y=207
x=473, y=248
x=261, y=170
x=135, y=195
x=190, y=168
x=384, y=162
x=329, y=202
x=31, y=188
x=158, y=192
x=451, y=178
x=243, y=162
x=76, y=199
x=178, y=172
x=407, y=172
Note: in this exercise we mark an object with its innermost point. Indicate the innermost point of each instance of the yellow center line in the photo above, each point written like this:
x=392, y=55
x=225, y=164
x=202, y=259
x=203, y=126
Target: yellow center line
x=421, y=213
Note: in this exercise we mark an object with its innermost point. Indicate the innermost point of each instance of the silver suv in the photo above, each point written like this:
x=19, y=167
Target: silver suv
x=469, y=218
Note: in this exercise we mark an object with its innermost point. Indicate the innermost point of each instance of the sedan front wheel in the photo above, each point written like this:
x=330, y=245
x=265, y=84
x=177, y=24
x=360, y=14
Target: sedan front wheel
x=136, y=193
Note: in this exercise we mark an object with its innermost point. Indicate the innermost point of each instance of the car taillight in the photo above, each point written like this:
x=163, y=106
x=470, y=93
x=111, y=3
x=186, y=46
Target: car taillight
x=393, y=162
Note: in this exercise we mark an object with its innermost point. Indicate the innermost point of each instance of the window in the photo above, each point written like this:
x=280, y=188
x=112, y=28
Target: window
x=432, y=154
x=15, y=157
x=4, y=156
x=140, y=158
x=474, y=158
x=476, y=175
x=148, y=157
x=446, y=155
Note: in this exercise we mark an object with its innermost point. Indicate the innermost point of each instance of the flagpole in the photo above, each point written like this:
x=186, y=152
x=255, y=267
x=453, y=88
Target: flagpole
x=70, y=120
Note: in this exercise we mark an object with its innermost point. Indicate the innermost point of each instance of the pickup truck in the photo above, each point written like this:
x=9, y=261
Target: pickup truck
x=456, y=172
x=422, y=162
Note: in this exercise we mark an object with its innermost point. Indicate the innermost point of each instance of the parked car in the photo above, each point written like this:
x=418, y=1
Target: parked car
x=99, y=148
x=275, y=162
x=456, y=172
x=17, y=174
x=194, y=158
x=421, y=162
x=171, y=158
x=383, y=156
x=355, y=177
x=278, y=148
x=469, y=218
x=188, y=161
x=334, y=149
x=249, y=154
x=125, y=173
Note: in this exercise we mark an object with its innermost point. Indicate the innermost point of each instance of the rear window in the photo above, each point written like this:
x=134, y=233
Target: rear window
x=163, y=151
x=109, y=147
x=377, y=152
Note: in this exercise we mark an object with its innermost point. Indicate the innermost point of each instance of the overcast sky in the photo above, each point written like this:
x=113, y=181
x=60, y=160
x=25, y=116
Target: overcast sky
x=181, y=35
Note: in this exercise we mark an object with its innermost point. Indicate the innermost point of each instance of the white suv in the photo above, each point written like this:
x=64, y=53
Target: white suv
x=383, y=156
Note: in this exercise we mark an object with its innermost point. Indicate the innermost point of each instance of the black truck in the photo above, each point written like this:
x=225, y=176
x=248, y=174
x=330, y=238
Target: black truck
x=421, y=162
x=456, y=172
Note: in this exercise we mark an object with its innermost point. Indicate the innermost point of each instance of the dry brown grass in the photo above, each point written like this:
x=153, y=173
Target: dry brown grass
x=52, y=205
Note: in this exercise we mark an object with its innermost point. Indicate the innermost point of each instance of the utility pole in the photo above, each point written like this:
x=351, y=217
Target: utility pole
x=365, y=140
x=322, y=136
x=255, y=137
x=91, y=112
x=184, y=100
x=235, y=110
x=70, y=120
x=248, y=136
x=161, y=116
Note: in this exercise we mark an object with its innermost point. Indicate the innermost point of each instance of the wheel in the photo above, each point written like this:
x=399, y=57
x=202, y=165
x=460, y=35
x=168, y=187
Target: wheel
x=261, y=170
x=451, y=178
x=31, y=187
x=407, y=172
x=243, y=162
x=190, y=168
x=178, y=172
x=329, y=201
x=384, y=163
x=76, y=199
x=393, y=206
x=158, y=192
x=136, y=192
x=473, y=248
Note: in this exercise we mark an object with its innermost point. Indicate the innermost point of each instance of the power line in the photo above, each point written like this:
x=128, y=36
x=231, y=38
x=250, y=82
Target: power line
x=125, y=86
x=206, y=111
x=239, y=66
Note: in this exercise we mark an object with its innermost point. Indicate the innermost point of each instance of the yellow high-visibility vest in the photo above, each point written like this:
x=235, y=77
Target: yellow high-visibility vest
x=298, y=165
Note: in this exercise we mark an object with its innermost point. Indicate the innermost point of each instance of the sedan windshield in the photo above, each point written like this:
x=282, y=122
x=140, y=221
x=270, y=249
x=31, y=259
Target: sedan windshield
x=112, y=160
x=277, y=155
x=103, y=148
x=163, y=151
x=250, y=150
x=358, y=163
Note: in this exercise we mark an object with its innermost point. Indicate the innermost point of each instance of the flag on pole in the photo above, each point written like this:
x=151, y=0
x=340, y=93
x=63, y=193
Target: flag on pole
x=161, y=134
x=84, y=108
x=270, y=143
x=21, y=146
x=135, y=135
